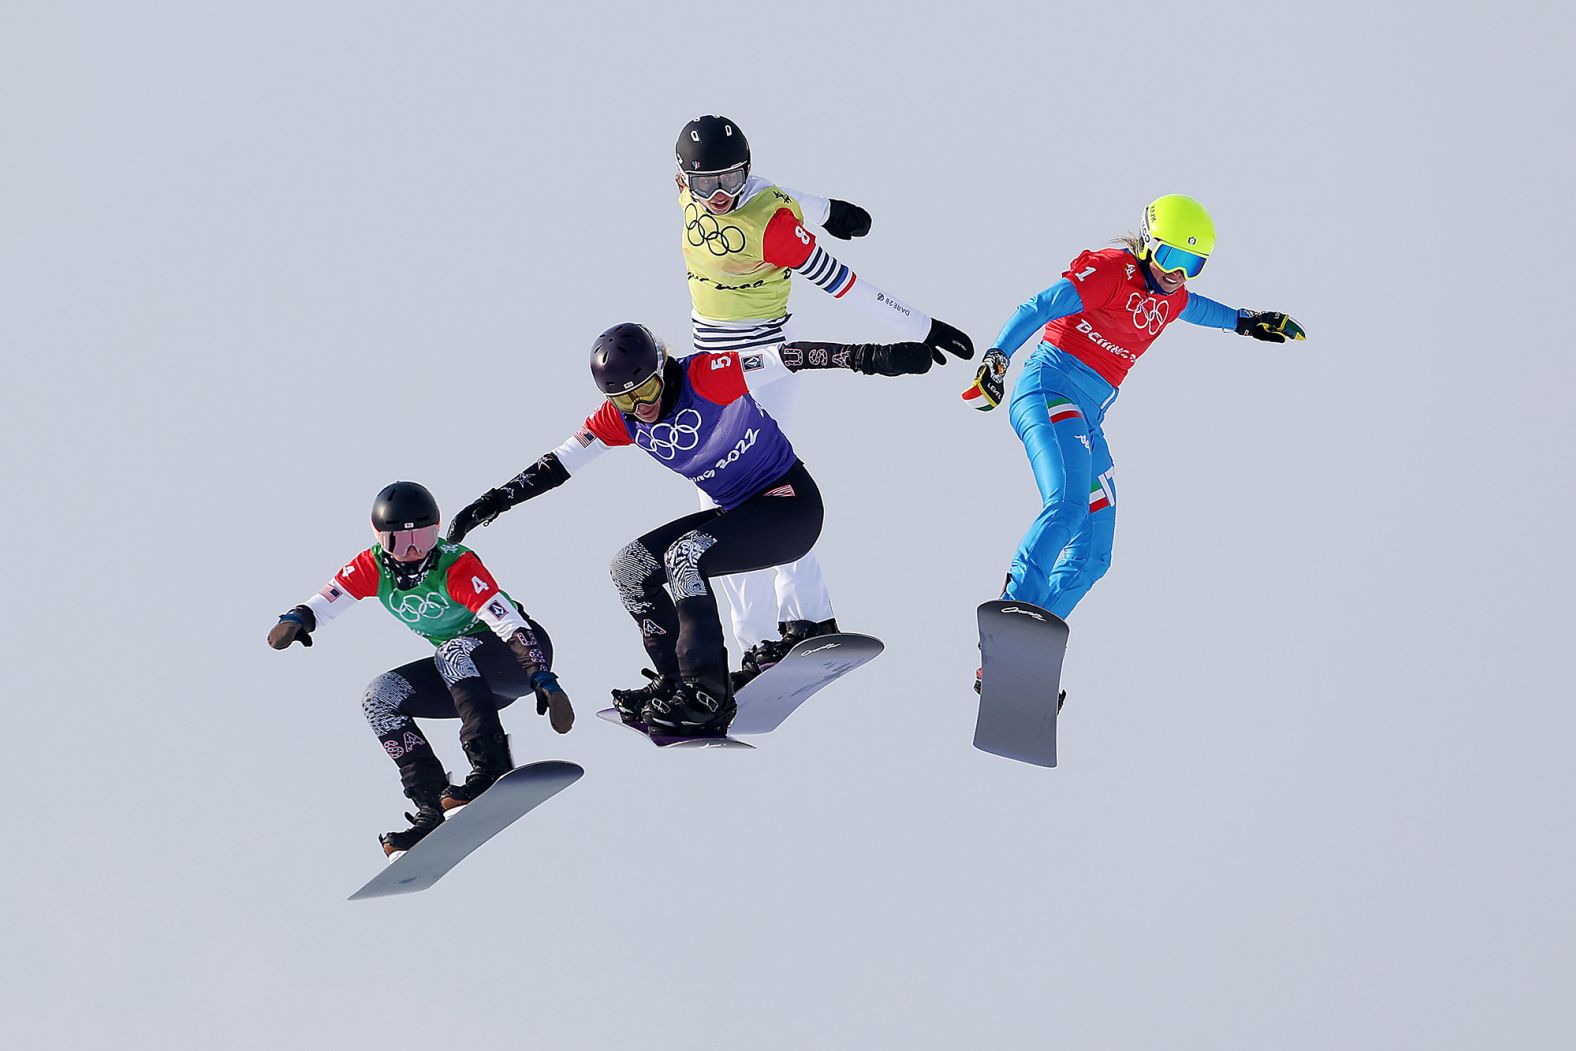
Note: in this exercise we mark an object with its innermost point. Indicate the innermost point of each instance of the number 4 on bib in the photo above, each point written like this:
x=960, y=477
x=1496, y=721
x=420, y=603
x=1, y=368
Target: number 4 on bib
x=1021, y=650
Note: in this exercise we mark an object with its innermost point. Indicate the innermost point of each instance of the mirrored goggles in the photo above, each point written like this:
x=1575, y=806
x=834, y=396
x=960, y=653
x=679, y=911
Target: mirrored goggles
x=1171, y=259
x=704, y=184
x=408, y=545
x=641, y=394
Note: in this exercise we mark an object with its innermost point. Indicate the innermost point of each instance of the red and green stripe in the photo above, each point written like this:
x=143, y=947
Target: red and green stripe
x=1062, y=409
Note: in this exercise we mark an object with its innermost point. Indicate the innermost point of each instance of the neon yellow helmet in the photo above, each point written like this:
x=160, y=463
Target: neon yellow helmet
x=1178, y=234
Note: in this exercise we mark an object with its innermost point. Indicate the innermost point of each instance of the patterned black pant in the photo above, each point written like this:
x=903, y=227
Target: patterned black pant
x=682, y=633
x=469, y=678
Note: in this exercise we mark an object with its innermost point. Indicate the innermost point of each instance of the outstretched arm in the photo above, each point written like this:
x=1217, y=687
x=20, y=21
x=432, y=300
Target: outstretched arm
x=841, y=219
x=1060, y=300
x=990, y=380
x=1271, y=326
x=356, y=581
x=872, y=359
x=602, y=430
x=787, y=243
x=546, y=473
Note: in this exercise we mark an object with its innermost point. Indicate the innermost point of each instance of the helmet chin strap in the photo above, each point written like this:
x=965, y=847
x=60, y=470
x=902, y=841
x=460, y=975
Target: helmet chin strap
x=407, y=574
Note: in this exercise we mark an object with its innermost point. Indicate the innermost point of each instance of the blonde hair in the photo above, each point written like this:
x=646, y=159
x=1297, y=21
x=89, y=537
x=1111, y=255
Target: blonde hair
x=1132, y=242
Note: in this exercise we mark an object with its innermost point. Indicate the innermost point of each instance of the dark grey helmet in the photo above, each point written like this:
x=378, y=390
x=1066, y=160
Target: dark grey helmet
x=711, y=144
x=625, y=356
x=404, y=505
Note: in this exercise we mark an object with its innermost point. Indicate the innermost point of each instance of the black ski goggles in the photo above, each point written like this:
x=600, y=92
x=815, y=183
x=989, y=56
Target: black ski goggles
x=705, y=184
x=643, y=393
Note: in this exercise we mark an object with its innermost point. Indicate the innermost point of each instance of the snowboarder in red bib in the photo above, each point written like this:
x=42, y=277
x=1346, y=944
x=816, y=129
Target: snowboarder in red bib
x=488, y=654
x=1099, y=319
x=695, y=415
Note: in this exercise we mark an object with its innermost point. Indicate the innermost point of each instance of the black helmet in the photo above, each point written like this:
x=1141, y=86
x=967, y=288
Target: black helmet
x=711, y=144
x=624, y=358
x=404, y=505
x=405, y=517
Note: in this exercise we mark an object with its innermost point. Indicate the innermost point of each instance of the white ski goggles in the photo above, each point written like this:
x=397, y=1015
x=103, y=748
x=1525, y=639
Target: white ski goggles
x=705, y=184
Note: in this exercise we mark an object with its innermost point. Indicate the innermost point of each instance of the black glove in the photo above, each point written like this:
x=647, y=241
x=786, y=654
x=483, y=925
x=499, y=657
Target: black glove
x=844, y=220
x=478, y=512
x=295, y=626
x=1269, y=325
x=943, y=337
x=892, y=359
x=990, y=382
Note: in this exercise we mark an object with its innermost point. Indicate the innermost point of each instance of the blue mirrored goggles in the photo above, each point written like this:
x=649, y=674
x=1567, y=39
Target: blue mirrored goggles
x=1171, y=259
x=704, y=184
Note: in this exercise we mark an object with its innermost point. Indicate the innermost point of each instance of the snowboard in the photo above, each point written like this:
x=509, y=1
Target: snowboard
x=1021, y=650
x=662, y=740
x=771, y=697
x=511, y=797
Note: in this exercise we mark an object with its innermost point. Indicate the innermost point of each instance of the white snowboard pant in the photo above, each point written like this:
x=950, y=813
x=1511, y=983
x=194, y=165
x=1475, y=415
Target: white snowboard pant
x=796, y=591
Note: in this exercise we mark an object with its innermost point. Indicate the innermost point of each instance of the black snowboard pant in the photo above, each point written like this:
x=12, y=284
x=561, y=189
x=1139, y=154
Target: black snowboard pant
x=682, y=633
x=469, y=678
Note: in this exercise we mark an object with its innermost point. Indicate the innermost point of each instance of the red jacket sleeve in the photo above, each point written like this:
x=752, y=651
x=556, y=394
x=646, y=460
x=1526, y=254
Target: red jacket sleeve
x=469, y=582
x=786, y=242
x=1097, y=276
x=607, y=423
x=718, y=377
x=359, y=579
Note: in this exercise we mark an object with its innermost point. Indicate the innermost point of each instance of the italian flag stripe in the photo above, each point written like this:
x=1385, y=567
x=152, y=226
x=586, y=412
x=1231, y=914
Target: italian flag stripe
x=1062, y=410
x=1097, y=498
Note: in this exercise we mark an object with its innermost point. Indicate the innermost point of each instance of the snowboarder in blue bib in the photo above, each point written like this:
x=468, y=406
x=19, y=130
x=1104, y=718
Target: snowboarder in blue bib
x=696, y=416
x=488, y=653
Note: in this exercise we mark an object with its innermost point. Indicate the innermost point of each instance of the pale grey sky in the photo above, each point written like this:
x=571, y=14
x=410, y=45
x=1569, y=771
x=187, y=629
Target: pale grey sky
x=257, y=260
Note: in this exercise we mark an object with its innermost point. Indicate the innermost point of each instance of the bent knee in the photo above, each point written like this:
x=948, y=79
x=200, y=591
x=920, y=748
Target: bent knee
x=633, y=568
x=381, y=702
x=682, y=560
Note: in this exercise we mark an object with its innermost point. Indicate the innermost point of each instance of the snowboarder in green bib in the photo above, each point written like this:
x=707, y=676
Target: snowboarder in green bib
x=488, y=654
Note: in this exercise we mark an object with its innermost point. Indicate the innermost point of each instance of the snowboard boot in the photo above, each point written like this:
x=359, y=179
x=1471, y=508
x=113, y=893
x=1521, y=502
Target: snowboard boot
x=698, y=708
x=490, y=760
x=979, y=678
x=630, y=703
x=767, y=653
x=428, y=816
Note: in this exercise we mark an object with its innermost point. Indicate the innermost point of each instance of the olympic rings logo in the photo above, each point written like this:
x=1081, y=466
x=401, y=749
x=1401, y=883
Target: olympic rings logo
x=667, y=440
x=1148, y=313
x=412, y=608
x=703, y=229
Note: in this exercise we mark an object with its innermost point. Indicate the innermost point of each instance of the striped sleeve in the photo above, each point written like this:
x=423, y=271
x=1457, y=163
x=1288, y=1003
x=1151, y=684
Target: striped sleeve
x=788, y=244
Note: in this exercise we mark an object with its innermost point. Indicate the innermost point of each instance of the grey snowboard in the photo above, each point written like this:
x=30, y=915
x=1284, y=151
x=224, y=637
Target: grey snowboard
x=1021, y=650
x=515, y=794
x=777, y=692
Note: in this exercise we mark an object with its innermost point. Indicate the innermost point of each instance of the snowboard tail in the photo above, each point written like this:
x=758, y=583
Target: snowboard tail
x=1021, y=651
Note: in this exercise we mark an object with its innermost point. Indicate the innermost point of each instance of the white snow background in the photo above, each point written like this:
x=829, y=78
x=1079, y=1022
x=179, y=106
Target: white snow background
x=257, y=260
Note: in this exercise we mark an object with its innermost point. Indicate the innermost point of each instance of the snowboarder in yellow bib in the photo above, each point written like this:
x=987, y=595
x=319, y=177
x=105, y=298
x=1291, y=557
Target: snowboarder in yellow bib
x=744, y=238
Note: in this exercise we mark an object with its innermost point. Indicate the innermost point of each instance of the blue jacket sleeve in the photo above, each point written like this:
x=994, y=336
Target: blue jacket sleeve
x=1207, y=312
x=1060, y=300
